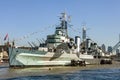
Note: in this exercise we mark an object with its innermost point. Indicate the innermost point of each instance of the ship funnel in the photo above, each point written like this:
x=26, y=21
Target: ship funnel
x=77, y=41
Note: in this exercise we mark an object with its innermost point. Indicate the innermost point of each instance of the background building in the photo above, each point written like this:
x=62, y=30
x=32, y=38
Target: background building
x=109, y=50
x=103, y=47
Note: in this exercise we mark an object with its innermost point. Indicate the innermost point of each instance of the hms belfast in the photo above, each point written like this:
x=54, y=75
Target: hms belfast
x=59, y=49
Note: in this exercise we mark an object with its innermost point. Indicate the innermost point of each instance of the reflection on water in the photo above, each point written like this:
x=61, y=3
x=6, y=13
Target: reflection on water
x=99, y=74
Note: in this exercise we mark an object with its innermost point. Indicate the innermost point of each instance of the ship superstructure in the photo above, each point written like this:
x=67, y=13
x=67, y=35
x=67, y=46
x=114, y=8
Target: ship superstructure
x=60, y=36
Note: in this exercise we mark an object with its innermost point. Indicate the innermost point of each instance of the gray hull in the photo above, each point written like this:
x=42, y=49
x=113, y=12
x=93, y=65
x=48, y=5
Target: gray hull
x=25, y=57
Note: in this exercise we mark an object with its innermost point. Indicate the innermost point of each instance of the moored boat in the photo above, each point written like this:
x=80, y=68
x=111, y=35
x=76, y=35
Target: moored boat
x=59, y=49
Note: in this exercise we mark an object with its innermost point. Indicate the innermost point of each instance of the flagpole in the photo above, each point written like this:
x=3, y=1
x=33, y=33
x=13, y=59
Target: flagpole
x=8, y=42
x=6, y=37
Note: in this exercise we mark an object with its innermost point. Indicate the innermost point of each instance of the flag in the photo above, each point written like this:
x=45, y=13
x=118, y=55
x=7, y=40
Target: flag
x=6, y=37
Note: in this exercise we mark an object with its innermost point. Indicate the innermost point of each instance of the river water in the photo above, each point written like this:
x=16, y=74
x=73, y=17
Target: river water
x=98, y=74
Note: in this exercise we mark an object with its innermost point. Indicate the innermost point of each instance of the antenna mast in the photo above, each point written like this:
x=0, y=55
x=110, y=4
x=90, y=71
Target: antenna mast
x=64, y=23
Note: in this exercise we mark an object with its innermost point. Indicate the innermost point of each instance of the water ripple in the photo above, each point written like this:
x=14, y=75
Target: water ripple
x=99, y=74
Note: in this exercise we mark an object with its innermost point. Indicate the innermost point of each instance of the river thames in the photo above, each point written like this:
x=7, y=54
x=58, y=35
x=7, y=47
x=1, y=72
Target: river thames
x=99, y=74
x=90, y=72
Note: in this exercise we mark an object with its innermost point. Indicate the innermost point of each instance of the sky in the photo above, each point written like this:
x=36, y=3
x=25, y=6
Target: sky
x=20, y=18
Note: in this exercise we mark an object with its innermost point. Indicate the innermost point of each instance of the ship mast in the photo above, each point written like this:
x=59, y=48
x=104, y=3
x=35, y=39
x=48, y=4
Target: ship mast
x=64, y=24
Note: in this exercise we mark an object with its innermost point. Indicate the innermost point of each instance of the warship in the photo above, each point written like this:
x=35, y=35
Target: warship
x=58, y=49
